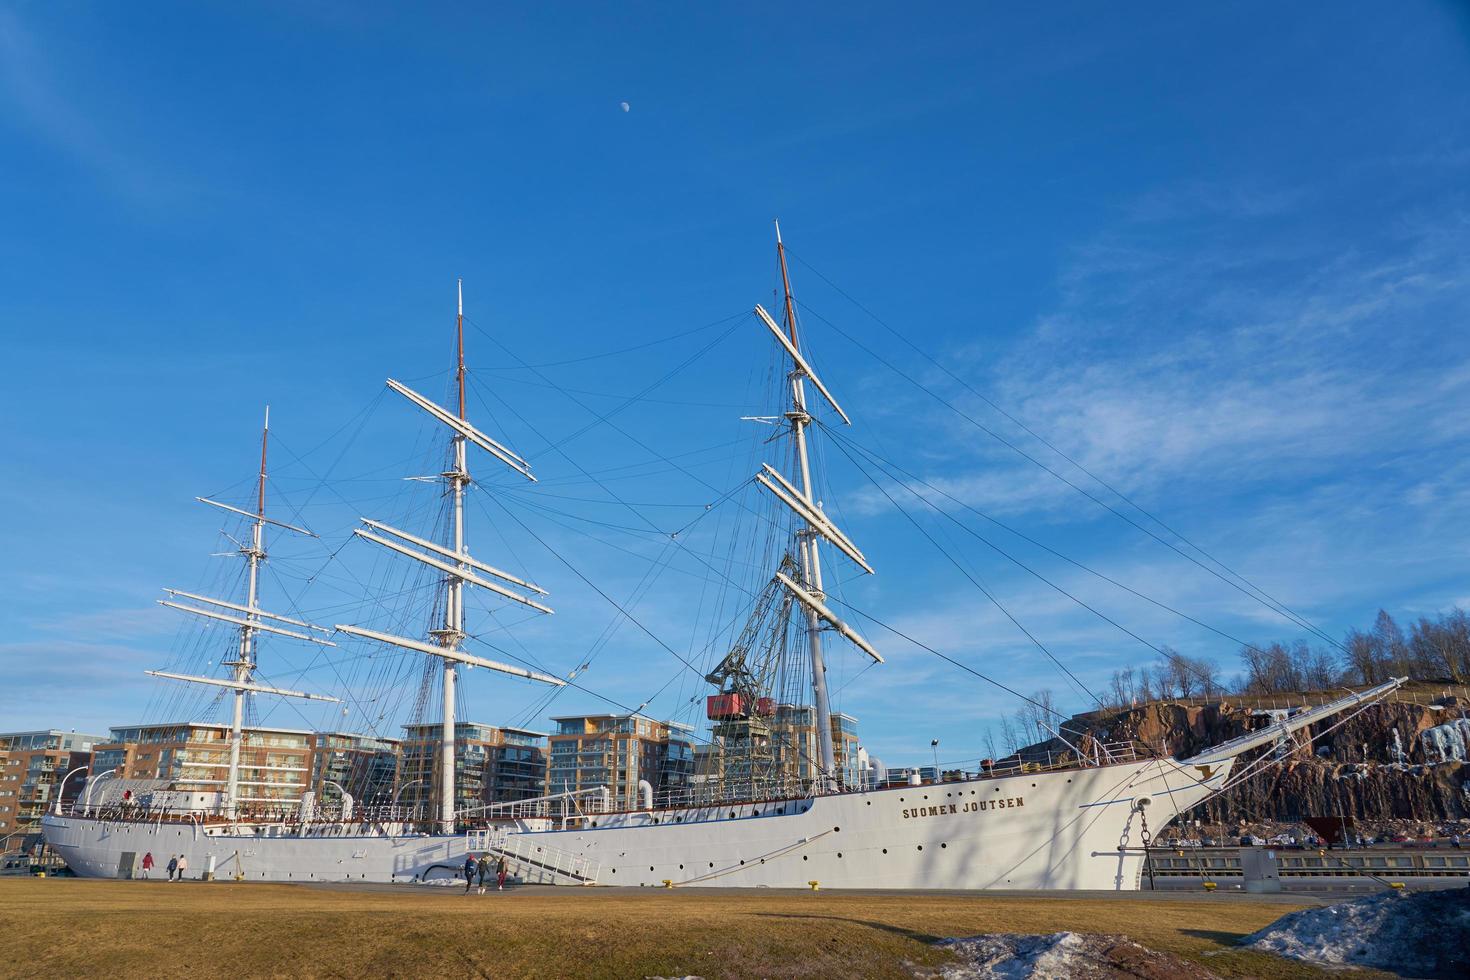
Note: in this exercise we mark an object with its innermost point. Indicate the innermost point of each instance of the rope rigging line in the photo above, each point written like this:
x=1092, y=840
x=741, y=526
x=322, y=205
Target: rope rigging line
x=636, y=347
x=1248, y=590
x=590, y=584
x=975, y=581
x=1031, y=432
x=960, y=664
x=558, y=448
x=912, y=477
x=606, y=417
x=1175, y=658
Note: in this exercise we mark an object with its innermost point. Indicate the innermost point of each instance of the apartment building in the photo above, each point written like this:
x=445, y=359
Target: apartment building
x=491, y=764
x=193, y=760
x=794, y=744
x=32, y=768
x=362, y=765
x=619, y=751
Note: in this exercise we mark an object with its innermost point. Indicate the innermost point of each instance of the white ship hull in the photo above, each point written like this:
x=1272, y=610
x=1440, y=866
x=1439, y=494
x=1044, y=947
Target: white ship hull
x=1052, y=830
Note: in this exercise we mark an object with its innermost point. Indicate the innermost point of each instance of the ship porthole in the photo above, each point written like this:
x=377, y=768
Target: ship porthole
x=681, y=867
x=885, y=850
x=712, y=864
x=839, y=854
x=803, y=857
x=921, y=847
x=943, y=845
x=869, y=802
x=836, y=829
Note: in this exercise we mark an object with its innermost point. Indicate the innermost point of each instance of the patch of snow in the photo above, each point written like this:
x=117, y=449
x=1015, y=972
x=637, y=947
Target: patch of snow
x=1425, y=934
x=1011, y=956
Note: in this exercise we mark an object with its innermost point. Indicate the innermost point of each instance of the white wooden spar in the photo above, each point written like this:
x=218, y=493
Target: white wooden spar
x=458, y=656
x=242, y=686
x=801, y=363
x=448, y=569
x=816, y=519
x=249, y=623
x=255, y=517
x=246, y=609
x=817, y=606
x=439, y=549
x=465, y=429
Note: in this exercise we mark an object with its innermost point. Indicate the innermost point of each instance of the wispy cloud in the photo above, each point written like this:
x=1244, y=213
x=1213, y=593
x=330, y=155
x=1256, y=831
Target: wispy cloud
x=33, y=94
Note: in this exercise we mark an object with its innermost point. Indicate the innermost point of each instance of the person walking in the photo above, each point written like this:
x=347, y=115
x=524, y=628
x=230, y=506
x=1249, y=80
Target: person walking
x=147, y=863
x=183, y=866
x=469, y=873
x=484, y=870
x=500, y=874
x=173, y=867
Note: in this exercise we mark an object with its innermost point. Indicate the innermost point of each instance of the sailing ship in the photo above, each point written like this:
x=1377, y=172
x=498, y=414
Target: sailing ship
x=1082, y=823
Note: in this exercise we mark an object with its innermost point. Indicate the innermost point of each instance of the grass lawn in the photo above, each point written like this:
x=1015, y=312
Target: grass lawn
x=64, y=927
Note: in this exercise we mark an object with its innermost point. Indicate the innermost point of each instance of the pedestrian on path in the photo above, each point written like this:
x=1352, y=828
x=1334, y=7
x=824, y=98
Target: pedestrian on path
x=500, y=875
x=147, y=863
x=173, y=867
x=183, y=866
x=469, y=873
x=484, y=870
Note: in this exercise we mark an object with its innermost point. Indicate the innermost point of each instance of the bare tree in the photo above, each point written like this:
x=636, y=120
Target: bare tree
x=1122, y=688
x=1008, y=735
x=1441, y=648
x=1364, y=664
x=1391, y=644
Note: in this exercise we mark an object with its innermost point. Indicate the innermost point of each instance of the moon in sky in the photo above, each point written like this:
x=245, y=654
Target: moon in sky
x=624, y=106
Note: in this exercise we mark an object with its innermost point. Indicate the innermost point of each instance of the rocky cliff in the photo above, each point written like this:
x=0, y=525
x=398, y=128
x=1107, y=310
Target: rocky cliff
x=1378, y=766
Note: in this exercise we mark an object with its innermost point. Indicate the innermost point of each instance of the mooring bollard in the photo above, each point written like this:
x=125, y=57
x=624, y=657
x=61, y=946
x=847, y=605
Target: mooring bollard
x=815, y=885
x=668, y=883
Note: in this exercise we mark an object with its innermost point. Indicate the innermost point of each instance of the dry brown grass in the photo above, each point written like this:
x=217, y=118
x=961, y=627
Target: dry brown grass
x=69, y=928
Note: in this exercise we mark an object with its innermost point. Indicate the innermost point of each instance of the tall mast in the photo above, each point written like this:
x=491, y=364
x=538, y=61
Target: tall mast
x=811, y=562
x=453, y=633
x=459, y=567
x=245, y=663
x=250, y=619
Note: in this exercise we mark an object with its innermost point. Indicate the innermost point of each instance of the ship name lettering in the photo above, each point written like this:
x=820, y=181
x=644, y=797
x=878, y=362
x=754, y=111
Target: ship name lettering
x=973, y=806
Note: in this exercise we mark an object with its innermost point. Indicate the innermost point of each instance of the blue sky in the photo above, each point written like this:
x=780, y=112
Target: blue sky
x=1218, y=256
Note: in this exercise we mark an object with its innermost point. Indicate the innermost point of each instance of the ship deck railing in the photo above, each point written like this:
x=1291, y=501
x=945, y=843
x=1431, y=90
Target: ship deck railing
x=279, y=816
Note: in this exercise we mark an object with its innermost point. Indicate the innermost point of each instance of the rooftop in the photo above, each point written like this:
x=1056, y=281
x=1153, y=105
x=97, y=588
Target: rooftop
x=206, y=724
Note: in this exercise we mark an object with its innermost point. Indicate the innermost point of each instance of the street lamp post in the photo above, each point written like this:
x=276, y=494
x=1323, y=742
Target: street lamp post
x=346, y=798
x=61, y=788
x=394, y=804
x=87, y=793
